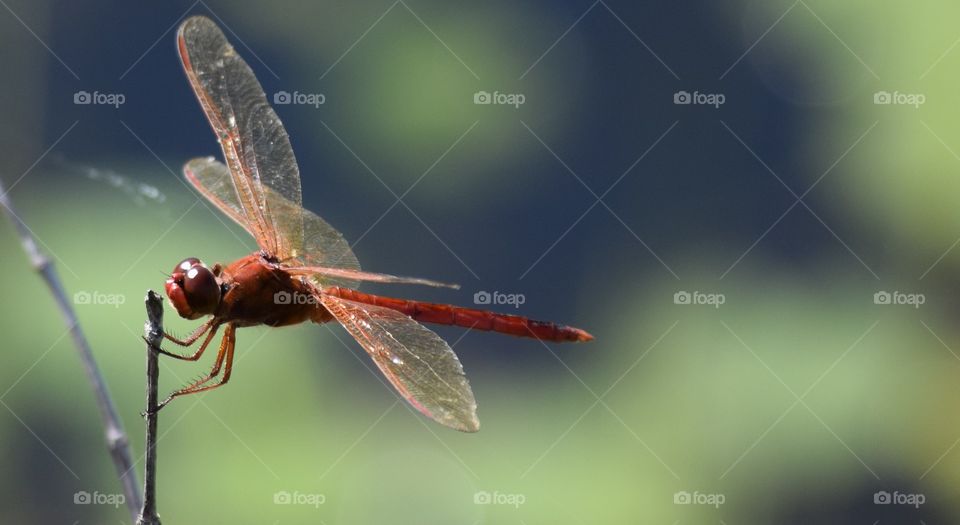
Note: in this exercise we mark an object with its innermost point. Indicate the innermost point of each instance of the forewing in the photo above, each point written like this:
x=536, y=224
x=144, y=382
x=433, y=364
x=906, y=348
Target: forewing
x=420, y=365
x=255, y=145
x=325, y=273
x=212, y=179
x=323, y=245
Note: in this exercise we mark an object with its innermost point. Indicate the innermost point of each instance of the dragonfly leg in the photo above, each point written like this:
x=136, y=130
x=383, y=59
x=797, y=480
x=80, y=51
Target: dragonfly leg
x=211, y=332
x=224, y=360
x=192, y=338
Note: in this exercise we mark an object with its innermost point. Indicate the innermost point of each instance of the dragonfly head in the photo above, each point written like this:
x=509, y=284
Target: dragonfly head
x=193, y=289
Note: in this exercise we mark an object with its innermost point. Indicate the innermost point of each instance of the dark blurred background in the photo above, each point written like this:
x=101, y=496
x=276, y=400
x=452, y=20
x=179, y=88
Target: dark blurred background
x=751, y=205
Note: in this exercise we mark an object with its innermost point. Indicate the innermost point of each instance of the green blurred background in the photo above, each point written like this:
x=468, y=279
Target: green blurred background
x=802, y=398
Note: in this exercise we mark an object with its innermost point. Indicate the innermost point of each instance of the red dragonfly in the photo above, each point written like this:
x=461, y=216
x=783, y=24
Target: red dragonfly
x=304, y=269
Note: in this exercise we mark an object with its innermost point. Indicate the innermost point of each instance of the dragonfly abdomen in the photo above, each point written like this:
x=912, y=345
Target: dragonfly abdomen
x=470, y=318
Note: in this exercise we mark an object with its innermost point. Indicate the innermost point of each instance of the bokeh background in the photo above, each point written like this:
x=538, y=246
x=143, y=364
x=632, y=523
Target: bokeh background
x=818, y=203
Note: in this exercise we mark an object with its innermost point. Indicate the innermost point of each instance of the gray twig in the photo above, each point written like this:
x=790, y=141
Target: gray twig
x=117, y=442
x=153, y=332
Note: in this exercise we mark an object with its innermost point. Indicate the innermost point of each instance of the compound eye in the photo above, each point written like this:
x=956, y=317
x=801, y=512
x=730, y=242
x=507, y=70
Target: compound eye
x=201, y=288
x=186, y=264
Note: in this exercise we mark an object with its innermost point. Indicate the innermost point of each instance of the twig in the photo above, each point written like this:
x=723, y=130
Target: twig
x=153, y=331
x=117, y=442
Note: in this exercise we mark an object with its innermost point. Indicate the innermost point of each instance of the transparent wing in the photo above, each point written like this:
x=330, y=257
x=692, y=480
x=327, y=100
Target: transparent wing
x=212, y=179
x=323, y=245
x=255, y=146
x=420, y=365
x=325, y=273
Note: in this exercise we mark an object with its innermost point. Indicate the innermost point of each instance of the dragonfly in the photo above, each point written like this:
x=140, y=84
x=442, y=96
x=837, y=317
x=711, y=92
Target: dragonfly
x=304, y=269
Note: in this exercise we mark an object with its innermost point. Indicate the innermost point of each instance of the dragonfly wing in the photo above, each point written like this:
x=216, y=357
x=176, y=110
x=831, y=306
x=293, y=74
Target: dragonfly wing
x=420, y=365
x=212, y=179
x=323, y=245
x=327, y=273
x=255, y=145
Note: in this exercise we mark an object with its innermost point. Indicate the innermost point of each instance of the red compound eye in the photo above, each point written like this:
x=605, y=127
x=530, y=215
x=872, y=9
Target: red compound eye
x=193, y=289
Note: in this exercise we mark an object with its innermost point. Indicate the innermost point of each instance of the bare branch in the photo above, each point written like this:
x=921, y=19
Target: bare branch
x=153, y=333
x=117, y=442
